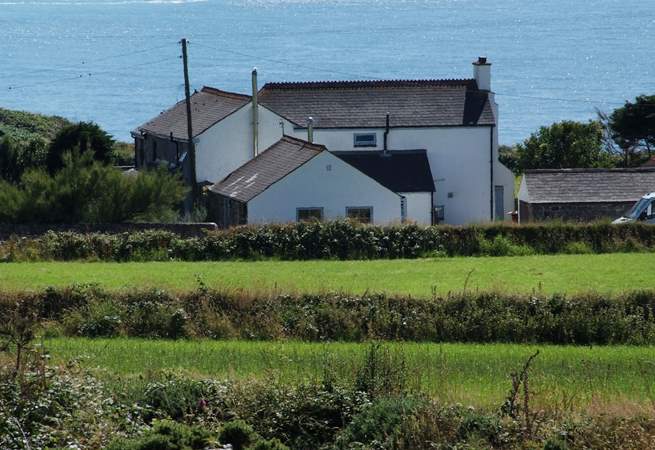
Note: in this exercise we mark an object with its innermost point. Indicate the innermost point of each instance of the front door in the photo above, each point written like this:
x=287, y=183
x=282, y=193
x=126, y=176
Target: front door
x=499, y=202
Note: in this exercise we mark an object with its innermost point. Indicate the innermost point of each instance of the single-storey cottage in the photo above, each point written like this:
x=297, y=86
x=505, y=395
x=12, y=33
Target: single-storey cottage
x=452, y=123
x=582, y=194
x=296, y=180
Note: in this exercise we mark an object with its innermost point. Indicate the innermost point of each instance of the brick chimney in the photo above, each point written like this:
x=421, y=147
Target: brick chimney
x=482, y=73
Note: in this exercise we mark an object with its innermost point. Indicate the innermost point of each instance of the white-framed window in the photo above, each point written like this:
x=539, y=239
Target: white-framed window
x=309, y=214
x=364, y=139
x=362, y=214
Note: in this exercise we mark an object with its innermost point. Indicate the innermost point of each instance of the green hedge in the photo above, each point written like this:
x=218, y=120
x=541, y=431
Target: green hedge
x=465, y=317
x=334, y=240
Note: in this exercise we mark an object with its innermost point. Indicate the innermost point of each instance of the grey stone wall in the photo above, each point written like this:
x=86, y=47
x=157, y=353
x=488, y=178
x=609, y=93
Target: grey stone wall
x=182, y=229
x=578, y=212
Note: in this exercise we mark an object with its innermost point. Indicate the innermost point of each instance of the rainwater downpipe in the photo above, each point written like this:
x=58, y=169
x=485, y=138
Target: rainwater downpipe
x=491, y=172
x=255, y=115
x=386, y=134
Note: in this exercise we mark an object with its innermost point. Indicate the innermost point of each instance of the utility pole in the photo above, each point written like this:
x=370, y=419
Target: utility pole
x=192, y=147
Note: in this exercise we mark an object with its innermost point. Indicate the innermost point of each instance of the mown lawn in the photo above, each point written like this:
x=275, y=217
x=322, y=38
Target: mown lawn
x=418, y=277
x=562, y=376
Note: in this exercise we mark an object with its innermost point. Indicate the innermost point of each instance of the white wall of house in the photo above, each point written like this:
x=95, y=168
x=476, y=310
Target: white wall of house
x=458, y=156
x=224, y=147
x=325, y=182
x=459, y=161
x=419, y=207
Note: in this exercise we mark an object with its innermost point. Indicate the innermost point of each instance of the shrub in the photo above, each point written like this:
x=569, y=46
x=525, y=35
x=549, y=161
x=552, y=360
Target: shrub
x=97, y=319
x=176, y=397
x=238, y=434
x=167, y=435
x=503, y=246
x=578, y=248
x=377, y=426
x=91, y=193
x=272, y=444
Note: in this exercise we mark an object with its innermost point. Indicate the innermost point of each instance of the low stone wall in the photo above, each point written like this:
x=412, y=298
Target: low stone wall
x=182, y=229
x=577, y=212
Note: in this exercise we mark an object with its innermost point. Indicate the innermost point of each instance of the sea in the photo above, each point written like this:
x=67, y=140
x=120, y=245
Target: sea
x=117, y=62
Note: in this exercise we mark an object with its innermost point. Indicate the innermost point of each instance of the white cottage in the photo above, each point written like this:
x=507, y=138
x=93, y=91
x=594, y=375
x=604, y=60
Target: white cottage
x=295, y=180
x=453, y=123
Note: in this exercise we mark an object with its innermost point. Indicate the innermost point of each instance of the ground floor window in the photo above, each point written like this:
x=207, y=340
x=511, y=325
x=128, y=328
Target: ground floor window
x=362, y=214
x=309, y=214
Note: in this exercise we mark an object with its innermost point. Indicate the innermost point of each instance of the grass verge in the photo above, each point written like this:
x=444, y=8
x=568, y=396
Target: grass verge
x=417, y=277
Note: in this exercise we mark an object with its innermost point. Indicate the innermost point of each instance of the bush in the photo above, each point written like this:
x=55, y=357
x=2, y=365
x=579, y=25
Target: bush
x=302, y=241
x=167, y=435
x=238, y=434
x=503, y=246
x=272, y=444
x=577, y=248
x=176, y=397
x=97, y=319
x=85, y=192
x=378, y=426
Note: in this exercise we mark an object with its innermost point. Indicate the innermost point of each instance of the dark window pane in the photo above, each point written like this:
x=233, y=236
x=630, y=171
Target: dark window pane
x=360, y=214
x=309, y=214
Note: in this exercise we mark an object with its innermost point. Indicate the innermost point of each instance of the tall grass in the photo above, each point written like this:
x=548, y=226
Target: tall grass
x=466, y=373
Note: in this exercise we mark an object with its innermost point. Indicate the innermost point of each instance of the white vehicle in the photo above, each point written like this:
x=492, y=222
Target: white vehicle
x=642, y=211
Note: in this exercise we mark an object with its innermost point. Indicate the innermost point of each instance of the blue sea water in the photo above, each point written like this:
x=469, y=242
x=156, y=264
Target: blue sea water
x=117, y=61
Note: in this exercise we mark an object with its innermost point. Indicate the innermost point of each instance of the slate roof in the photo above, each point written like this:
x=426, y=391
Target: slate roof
x=271, y=165
x=208, y=106
x=588, y=185
x=364, y=104
x=398, y=171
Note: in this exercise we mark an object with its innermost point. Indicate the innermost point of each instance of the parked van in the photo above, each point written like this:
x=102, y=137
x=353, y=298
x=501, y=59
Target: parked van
x=642, y=211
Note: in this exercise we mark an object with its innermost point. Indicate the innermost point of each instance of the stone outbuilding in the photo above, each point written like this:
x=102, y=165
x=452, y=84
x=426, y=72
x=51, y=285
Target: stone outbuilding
x=582, y=194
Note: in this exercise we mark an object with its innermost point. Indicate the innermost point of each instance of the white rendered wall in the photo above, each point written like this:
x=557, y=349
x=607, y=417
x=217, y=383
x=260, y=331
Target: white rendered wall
x=459, y=161
x=224, y=147
x=326, y=182
x=419, y=206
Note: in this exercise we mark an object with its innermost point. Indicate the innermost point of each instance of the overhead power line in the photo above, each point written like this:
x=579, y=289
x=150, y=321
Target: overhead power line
x=85, y=62
x=89, y=74
x=285, y=62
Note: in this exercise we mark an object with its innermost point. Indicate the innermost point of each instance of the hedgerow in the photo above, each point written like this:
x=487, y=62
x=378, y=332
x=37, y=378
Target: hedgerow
x=590, y=318
x=334, y=240
x=70, y=408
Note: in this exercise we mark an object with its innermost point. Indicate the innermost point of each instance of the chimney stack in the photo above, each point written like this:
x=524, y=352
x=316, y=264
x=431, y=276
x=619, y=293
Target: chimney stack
x=482, y=73
x=255, y=115
x=310, y=129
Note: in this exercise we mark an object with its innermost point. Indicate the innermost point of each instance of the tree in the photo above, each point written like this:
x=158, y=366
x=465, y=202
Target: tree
x=566, y=144
x=81, y=138
x=633, y=128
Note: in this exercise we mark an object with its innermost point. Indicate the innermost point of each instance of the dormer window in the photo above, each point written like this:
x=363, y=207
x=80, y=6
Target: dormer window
x=365, y=140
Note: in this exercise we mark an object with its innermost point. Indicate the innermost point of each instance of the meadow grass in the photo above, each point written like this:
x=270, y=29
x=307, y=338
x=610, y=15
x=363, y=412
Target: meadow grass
x=562, y=377
x=417, y=277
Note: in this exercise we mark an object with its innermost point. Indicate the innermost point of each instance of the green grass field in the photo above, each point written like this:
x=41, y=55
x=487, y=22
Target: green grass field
x=418, y=277
x=563, y=376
